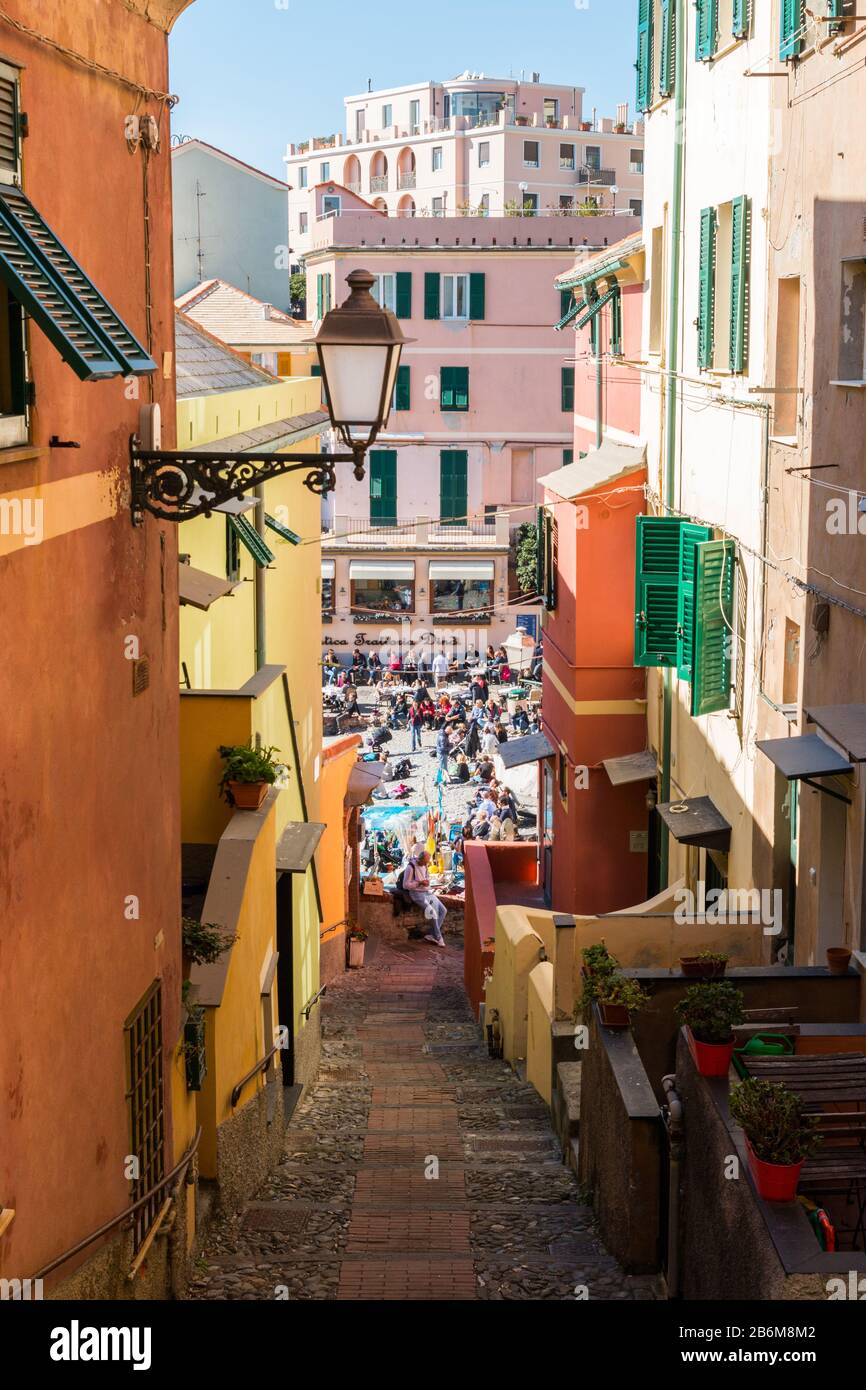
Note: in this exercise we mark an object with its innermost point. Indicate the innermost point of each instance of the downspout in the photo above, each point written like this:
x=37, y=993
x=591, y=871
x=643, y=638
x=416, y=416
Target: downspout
x=671, y=396
x=599, y=431
x=261, y=586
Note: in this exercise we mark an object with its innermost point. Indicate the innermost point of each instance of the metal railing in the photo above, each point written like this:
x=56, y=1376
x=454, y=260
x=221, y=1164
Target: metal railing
x=354, y=187
x=415, y=531
x=263, y=1064
x=379, y=183
x=406, y=180
x=605, y=177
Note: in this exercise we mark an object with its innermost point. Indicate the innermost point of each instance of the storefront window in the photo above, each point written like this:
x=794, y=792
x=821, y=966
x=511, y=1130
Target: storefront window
x=460, y=595
x=327, y=595
x=383, y=596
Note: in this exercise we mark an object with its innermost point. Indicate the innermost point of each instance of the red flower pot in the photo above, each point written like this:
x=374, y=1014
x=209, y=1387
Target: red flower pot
x=711, y=1059
x=776, y=1182
x=248, y=796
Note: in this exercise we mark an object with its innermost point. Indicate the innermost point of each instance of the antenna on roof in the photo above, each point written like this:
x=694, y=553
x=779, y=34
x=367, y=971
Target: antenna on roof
x=369, y=84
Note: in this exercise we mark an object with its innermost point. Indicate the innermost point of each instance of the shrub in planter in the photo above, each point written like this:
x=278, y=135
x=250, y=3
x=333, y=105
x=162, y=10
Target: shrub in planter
x=598, y=966
x=710, y=1011
x=618, y=998
x=706, y=965
x=780, y=1136
x=247, y=774
x=194, y=1047
x=204, y=942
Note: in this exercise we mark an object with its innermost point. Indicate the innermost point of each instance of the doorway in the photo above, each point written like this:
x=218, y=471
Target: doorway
x=285, y=972
x=831, y=877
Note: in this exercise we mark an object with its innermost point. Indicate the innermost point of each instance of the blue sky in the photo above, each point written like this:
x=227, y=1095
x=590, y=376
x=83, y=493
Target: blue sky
x=255, y=74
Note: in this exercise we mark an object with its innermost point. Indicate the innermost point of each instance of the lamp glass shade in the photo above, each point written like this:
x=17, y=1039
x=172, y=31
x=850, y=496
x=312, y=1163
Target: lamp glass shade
x=359, y=378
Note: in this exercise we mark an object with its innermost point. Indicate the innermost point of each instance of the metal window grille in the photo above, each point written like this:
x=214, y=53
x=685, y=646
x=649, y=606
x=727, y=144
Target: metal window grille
x=145, y=1098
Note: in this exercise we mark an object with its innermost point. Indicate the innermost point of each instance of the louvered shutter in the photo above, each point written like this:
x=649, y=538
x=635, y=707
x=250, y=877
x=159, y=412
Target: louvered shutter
x=657, y=569
x=644, y=64
x=8, y=123
x=250, y=538
x=431, y=295
x=539, y=551
x=320, y=297
x=791, y=37
x=741, y=238
x=707, y=287
x=403, y=389
x=567, y=389
x=453, y=485
x=446, y=388
x=667, y=48
x=712, y=664
x=383, y=487
x=616, y=324
x=404, y=294
x=691, y=537
x=477, y=294
x=706, y=29
x=460, y=377
x=741, y=18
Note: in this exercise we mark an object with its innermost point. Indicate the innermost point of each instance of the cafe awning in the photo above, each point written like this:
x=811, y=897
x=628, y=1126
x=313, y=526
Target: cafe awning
x=199, y=589
x=845, y=725
x=696, y=821
x=468, y=569
x=363, y=781
x=297, y=845
x=806, y=756
x=381, y=569
x=329, y=569
x=516, y=752
x=634, y=767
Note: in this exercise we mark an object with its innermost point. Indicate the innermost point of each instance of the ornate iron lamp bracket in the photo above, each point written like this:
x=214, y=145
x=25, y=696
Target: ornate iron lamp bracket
x=177, y=486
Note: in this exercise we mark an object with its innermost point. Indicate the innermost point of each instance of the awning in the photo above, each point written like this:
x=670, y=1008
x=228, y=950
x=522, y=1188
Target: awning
x=696, y=822
x=53, y=288
x=804, y=756
x=363, y=781
x=249, y=537
x=529, y=749
x=381, y=569
x=599, y=467
x=297, y=845
x=845, y=725
x=634, y=767
x=199, y=589
x=329, y=569
x=469, y=569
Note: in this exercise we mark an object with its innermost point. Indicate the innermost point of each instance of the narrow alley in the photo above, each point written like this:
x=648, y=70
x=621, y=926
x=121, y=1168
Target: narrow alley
x=417, y=1168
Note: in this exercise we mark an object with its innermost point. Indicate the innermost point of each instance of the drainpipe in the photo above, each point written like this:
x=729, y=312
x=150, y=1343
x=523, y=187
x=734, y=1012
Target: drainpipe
x=261, y=586
x=599, y=432
x=672, y=1117
x=671, y=397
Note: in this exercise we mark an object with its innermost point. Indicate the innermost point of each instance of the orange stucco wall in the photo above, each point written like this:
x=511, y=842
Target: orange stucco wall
x=339, y=756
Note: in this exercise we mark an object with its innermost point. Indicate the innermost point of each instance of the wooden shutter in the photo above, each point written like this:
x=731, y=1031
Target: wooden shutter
x=741, y=239
x=691, y=537
x=567, y=389
x=707, y=288
x=476, y=296
x=446, y=388
x=667, y=48
x=551, y=562
x=712, y=663
x=791, y=38
x=431, y=294
x=540, y=546
x=566, y=302
x=461, y=387
x=383, y=487
x=644, y=62
x=403, y=389
x=741, y=18
x=453, y=485
x=705, y=29
x=250, y=538
x=404, y=294
x=320, y=296
x=9, y=122
x=657, y=570
x=327, y=279
x=616, y=324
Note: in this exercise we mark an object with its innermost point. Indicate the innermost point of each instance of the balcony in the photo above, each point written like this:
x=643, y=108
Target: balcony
x=354, y=187
x=418, y=533
x=406, y=180
x=599, y=177
x=379, y=183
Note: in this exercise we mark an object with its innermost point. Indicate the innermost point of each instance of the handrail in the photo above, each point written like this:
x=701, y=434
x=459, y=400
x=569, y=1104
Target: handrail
x=124, y=1215
x=308, y=1008
x=261, y=1065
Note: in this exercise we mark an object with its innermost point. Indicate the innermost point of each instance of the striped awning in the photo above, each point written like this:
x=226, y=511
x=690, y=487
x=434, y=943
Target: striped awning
x=329, y=569
x=467, y=569
x=381, y=569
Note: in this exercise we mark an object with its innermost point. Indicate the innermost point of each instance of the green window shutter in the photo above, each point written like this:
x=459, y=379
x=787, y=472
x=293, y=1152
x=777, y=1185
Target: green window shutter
x=461, y=388
x=282, y=531
x=741, y=239
x=791, y=37
x=404, y=294
x=566, y=302
x=691, y=537
x=835, y=10
x=742, y=15
x=712, y=664
x=667, y=48
x=644, y=62
x=453, y=485
x=707, y=289
x=567, y=389
x=446, y=388
x=383, y=487
x=320, y=296
x=706, y=29
x=476, y=296
x=616, y=324
x=657, y=571
x=315, y=370
x=540, y=536
x=250, y=538
x=402, y=393
x=454, y=388
x=327, y=293
x=567, y=457
x=431, y=294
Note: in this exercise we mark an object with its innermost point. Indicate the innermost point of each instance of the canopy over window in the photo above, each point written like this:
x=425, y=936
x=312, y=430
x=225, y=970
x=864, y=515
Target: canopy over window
x=199, y=589
x=467, y=569
x=634, y=767
x=805, y=756
x=696, y=821
x=845, y=725
x=381, y=569
x=329, y=569
x=529, y=749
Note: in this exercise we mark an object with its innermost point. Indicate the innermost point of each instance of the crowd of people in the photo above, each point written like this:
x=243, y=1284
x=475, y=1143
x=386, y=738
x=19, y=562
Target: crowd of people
x=391, y=667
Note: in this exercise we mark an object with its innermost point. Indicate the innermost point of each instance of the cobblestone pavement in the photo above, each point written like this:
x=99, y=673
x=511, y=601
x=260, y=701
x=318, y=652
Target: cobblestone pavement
x=416, y=1167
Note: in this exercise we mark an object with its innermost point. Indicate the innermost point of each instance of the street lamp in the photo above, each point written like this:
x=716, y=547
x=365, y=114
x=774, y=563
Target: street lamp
x=359, y=346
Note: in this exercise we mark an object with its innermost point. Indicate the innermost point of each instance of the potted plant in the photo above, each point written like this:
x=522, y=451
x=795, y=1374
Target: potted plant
x=586, y=125
x=597, y=960
x=357, y=939
x=838, y=960
x=779, y=1136
x=247, y=774
x=710, y=1012
x=203, y=942
x=195, y=1056
x=706, y=965
x=618, y=998
x=521, y=120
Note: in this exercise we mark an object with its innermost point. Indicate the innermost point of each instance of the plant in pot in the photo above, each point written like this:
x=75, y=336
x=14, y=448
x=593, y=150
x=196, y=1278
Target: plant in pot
x=357, y=939
x=779, y=1136
x=247, y=774
x=194, y=1054
x=838, y=960
x=597, y=960
x=203, y=942
x=706, y=965
x=597, y=969
x=710, y=1011
x=618, y=998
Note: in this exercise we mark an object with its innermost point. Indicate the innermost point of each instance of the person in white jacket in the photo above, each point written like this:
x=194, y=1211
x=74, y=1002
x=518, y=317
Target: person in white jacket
x=416, y=883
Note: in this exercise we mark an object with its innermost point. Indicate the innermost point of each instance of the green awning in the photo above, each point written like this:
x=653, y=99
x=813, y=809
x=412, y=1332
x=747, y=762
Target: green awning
x=595, y=306
x=573, y=311
x=51, y=286
x=249, y=536
x=279, y=529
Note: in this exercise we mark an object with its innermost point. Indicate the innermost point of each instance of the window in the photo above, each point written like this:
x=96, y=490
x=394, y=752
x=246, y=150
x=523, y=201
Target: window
x=268, y=360
x=415, y=117
x=791, y=28
x=592, y=157
x=719, y=21
x=462, y=296
x=567, y=457
x=303, y=223
x=455, y=296
x=383, y=487
x=454, y=388
x=546, y=558
x=146, y=1105
x=852, y=324
x=387, y=115
x=483, y=154
x=438, y=207
x=567, y=390
x=332, y=205
x=453, y=485
x=551, y=109
x=324, y=172
x=437, y=158
x=530, y=204
x=635, y=161
x=303, y=177
x=384, y=291
x=566, y=156
x=657, y=278
x=656, y=49
x=636, y=205
x=382, y=595
x=791, y=663
x=531, y=155
x=461, y=594
x=562, y=770
x=723, y=292
x=360, y=123
x=684, y=606
x=402, y=388
x=785, y=401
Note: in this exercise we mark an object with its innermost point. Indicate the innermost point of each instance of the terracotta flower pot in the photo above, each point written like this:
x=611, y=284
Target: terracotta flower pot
x=776, y=1182
x=838, y=960
x=614, y=1015
x=691, y=967
x=356, y=953
x=711, y=1059
x=248, y=796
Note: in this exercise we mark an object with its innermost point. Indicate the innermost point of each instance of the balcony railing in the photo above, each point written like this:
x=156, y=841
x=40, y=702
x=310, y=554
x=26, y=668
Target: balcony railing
x=418, y=531
x=354, y=187
x=406, y=180
x=603, y=177
x=379, y=183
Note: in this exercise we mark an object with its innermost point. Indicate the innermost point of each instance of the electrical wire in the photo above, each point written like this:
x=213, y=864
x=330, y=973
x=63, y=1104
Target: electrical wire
x=150, y=93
